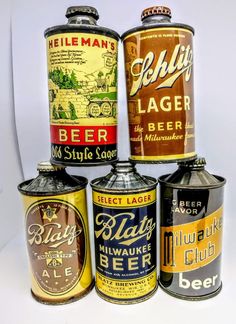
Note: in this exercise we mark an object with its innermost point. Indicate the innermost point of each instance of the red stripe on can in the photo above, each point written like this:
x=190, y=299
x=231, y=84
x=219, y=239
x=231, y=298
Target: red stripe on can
x=83, y=135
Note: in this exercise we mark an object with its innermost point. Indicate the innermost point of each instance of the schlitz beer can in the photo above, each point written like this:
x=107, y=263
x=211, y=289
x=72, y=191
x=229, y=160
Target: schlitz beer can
x=57, y=235
x=82, y=80
x=191, y=231
x=159, y=78
x=124, y=205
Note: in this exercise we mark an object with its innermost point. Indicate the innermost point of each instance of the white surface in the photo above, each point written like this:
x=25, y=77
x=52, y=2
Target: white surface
x=17, y=305
x=10, y=170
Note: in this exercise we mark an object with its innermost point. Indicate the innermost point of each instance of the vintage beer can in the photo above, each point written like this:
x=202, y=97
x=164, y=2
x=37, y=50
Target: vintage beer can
x=82, y=81
x=159, y=79
x=191, y=231
x=124, y=205
x=57, y=235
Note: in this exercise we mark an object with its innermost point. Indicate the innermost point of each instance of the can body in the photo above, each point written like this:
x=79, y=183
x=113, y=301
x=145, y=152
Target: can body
x=82, y=79
x=58, y=246
x=125, y=245
x=124, y=209
x=191, y=240
x=159, y=77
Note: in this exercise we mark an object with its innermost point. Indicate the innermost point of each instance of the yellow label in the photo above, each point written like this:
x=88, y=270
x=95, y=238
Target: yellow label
x=82, y=79
x=193, y=245
x=58, y=245
x=127, y=200
x=124, y=289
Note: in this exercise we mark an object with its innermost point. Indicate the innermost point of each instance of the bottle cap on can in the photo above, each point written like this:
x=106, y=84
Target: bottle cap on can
x=156, y=10
x=82, y=10
x=46, y=166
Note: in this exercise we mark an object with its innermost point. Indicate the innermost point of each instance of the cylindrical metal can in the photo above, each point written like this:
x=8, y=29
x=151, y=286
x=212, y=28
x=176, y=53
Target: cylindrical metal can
x=57, y=235
x=191, y=231
x=82, y=80
x=124, y=205
x=159, y=79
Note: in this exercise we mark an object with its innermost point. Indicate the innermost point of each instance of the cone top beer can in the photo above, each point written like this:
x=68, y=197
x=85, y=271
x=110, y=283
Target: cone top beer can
x=82, y=81
x=124, y=204
x=191, y=231
x=57, y=235
x=159, y=79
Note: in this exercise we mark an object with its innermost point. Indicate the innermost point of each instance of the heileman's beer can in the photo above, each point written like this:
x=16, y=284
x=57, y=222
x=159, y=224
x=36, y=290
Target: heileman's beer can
x=57, y=235
x=159, y=79
x=124, y=205
x=82, y=81
x=191, y=231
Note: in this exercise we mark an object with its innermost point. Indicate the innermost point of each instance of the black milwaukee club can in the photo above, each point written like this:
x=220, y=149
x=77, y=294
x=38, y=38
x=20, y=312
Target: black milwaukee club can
x=82, y=81
x=191, y=231
x=124, y=204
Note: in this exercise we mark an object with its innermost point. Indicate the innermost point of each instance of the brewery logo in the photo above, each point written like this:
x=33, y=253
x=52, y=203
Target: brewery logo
x=49, y=213
x=56, y=244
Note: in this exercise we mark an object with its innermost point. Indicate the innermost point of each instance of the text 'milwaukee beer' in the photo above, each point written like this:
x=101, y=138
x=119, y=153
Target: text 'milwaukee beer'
x=82, y=80
x=57, y=235
x=191, y=231
x=124, y=205
x=159, y=77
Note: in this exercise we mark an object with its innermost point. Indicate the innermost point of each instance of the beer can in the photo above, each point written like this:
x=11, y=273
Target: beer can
x=57, y=235
x=82, y=81
x=124, y=205
x=191, y=231
x=159, y=80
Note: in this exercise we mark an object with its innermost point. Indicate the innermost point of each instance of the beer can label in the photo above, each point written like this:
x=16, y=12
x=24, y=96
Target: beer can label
x=82, y=80
x=58, y=246
x=191, y=242
x=125, y=244
x=159, y=74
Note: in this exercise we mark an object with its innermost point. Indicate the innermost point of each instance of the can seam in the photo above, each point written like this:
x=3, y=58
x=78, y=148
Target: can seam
x=91, y=29
x=144, y=28
x=190, y=187
x=191, y=298
x=68, y=301
x=127, y=301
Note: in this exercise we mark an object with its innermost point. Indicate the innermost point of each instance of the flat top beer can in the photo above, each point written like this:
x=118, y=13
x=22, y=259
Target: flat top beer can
x=159, y=81
x=57, y=235
x=191, y=231
x=124, y=205
x=82, y=82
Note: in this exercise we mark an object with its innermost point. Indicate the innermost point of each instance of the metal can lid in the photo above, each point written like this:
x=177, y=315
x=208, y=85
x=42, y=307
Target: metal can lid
x=197, y=163
x=82, y=10
x=123, y=177
x=46, y=166
x=156, y=10
x=192, y=175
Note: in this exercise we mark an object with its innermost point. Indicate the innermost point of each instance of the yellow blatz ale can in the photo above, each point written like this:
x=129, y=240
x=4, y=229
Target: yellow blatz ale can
x=124, y=205
x=57, y=235
x=82, y=82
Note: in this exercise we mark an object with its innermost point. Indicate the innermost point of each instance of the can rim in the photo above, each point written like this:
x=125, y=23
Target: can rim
x=86, y=164
x=156, y=25
x=162, y=181
x=124, y=191
x=50, y=193
x=85, y=28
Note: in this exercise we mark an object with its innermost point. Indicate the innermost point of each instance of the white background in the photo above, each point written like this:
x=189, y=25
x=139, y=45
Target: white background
x=24, y=102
